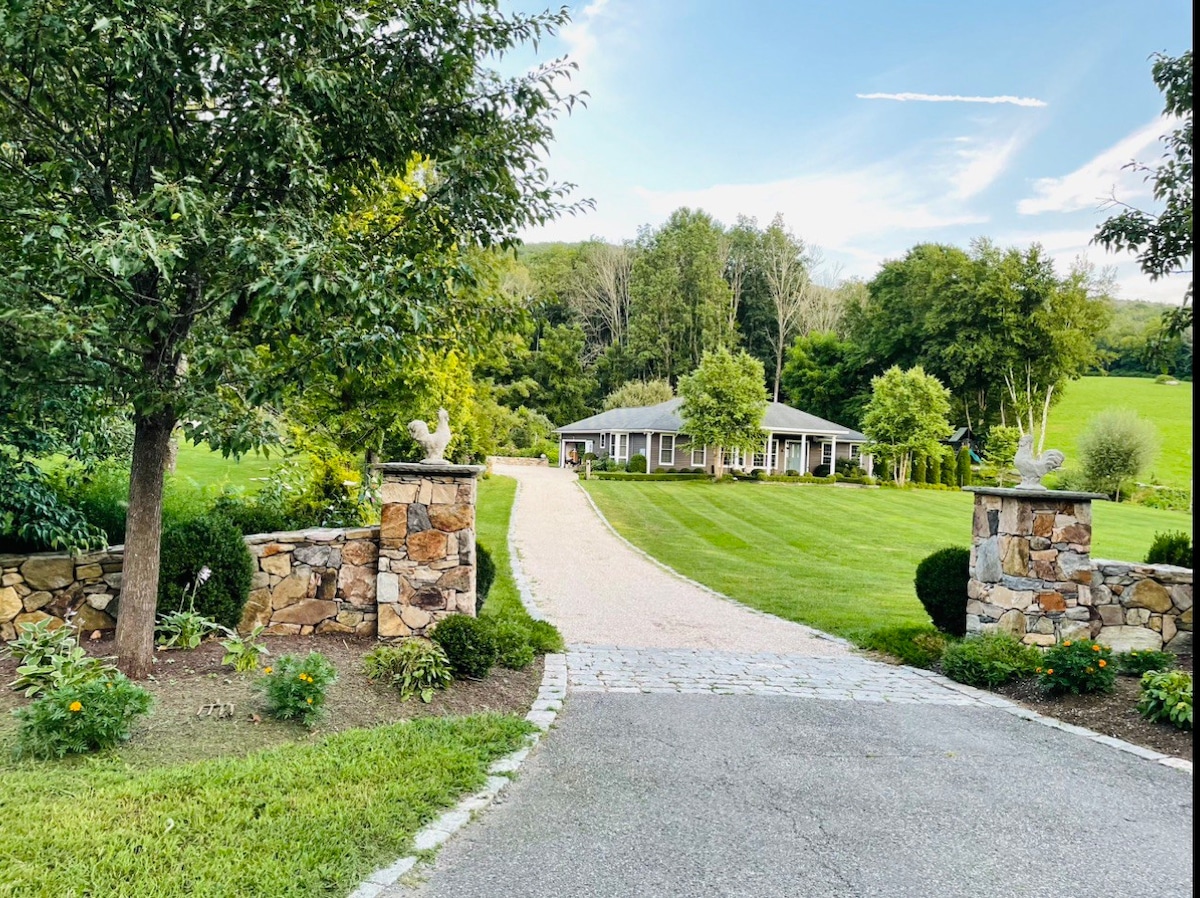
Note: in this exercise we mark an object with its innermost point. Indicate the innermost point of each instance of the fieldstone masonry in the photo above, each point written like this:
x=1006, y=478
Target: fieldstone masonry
x=1032, y=575
x=426, y=545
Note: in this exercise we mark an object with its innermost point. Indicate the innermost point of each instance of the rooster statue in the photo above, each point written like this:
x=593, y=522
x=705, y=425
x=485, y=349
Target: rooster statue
x=434, y=443
x=1034, y=467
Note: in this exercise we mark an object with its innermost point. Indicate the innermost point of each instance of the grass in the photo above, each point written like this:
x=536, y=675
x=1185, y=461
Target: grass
x=213, y=471
x=1169, y=408
x=492, y=515
x=304, y=820
x=841, y=560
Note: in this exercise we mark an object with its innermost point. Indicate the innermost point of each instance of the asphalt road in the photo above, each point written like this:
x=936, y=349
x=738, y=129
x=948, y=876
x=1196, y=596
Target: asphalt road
x=706, y=795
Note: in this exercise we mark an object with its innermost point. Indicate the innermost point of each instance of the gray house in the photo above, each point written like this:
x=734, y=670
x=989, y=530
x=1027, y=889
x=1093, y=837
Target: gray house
x=796, y=440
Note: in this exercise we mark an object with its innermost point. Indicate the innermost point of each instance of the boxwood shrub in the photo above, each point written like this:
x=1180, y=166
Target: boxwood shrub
x=469, y=643
x=210, y=541
x=941, y=584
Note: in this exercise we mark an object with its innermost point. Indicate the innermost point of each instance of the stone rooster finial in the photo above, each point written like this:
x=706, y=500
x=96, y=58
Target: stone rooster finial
x=434, y=443
x=1034, y=467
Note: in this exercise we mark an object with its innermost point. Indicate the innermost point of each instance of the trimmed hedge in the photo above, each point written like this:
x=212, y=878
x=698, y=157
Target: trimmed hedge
x=941, y=584
x=622, y=475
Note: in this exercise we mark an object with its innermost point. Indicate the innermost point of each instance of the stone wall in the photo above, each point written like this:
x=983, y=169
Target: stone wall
x=426, y=545
x=517, y=460
x=1032, y=575
x=36, y=587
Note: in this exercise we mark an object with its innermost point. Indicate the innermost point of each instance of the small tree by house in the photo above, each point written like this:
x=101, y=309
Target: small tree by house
x=723, y=403
x=908, y=413
x=1116, y=446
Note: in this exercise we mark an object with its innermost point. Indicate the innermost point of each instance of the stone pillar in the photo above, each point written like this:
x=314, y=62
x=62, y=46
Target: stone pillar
x=1031, y=569
x=426, y=546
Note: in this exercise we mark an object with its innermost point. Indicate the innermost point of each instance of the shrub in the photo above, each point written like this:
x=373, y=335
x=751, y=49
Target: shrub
x=513, y=648
x=544, y=637
x=1077, y=667
x=758, y=473
x=1134, y=663
x=964, y=466
x=636, y=465
x=208, y=541
x=1171, y=547
x=1166, y=697
x=1115, y=446
x=791, y=473
x=414, y=667
x=821, y=471
x=941, y=584
x=295, y=689
x=917, y=645
x=485, y=575
x=244, y=652
x=989, y=661
x=263, y=512
x=49, y=659
x=950, y=472
x=933, y=473
x=468, y=643
x=920, y=470
x=88, y=716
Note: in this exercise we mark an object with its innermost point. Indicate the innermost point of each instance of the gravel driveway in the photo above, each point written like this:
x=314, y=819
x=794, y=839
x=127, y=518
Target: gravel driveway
x=600, y=591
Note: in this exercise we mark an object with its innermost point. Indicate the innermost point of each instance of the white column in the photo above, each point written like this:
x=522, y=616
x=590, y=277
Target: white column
x=650, y=459
x=833, y=455
x=804, y=453
x=562, y=453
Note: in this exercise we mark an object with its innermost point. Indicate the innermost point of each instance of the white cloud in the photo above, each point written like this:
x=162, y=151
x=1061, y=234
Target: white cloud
x=1096, y=180
x=580, y=35
x=983, y=164
x=953, y=98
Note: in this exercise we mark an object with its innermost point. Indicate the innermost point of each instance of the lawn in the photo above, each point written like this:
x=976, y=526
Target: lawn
x=213, y=471
x=1168, y=407
x=841, y=560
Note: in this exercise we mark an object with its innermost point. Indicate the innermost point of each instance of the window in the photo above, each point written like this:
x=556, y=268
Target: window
x=766, y=458
x=699, y=456
x=826, y=453
x=855, y=451
x=621, y=446
x=666, y=449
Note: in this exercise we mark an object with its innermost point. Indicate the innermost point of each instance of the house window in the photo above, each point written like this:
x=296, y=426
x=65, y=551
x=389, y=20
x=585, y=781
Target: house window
x=699, y=457
x=666, y=449
x=621, y=446
x=855, y=452
x=826, y=453
x=766, y=458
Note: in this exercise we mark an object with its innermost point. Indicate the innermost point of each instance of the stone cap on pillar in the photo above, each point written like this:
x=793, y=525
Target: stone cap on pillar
x=1049, y=495
x=437, y=469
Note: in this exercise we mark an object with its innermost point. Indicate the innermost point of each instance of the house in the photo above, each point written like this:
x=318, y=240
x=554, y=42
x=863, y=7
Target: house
x=964, y=436
x=796, y=440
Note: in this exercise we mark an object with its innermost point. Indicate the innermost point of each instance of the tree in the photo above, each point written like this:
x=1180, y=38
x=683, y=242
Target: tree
x=600, y=300
x=723, y=403
x=787, y=266
x=193, y=194
x=1000, y=449
x=1163, y=241
x=907, y=414
x=1116, y=446
x=822, y=376
x=638, y=393
x=963, y=466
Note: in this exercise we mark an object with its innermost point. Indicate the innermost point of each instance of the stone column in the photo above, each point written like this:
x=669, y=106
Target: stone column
x=1031, y=569
x=426, y=546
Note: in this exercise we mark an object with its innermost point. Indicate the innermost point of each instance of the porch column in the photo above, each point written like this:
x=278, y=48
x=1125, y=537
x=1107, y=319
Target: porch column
x=562, y=453
x=833, y=455
x=804, y=453
x=650, y=459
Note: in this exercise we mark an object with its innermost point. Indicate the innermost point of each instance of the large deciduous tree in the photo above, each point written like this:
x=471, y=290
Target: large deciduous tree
x=787, y=267
x=907, y=415
x=191, y=193
x=1163, y=240
x=723, y=403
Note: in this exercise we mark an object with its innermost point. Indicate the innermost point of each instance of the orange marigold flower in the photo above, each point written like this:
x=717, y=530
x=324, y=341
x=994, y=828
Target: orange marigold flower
x=1068, y=642
x=1102, y=663
x=1050, y=671
x=1096, y=648
x=1039, y=670
x=309, y=700
x=75, y=706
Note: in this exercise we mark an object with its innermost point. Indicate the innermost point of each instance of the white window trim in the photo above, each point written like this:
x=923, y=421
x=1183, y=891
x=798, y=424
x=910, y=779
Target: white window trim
x=703, y=450
x=616, y=453
x=855, y=451
x=827, y=453
x=666, y=456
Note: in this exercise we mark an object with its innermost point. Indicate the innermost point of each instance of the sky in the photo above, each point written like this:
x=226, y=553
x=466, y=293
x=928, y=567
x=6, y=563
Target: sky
x=870, y=126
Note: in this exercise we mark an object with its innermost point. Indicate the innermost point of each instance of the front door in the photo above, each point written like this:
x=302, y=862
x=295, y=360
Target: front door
x=795, y=457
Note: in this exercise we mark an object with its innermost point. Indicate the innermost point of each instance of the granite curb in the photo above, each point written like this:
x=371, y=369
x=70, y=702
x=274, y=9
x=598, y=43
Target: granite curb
x=542, y=715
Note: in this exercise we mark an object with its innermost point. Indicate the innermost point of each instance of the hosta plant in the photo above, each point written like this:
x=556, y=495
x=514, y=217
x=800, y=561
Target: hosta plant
x=1166, y=697
x=245, y=653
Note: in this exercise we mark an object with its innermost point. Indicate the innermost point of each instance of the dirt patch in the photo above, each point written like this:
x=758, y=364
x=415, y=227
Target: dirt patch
x=1114, y=714
x=187, y=682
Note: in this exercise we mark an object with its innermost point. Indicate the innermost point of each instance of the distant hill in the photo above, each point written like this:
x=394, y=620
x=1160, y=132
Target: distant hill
x=1169, y=407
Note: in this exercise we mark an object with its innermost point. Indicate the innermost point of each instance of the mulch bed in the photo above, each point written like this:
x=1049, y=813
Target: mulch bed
x=185, y=683
x=1114, y=714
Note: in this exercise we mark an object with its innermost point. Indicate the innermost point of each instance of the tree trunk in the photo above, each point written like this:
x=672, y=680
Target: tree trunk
x=143, y=534
x=778, y=372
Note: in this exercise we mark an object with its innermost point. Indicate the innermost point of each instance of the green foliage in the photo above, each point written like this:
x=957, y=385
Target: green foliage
x=639, y=393
x=1077, y=667
x=415, y=667
x=907, y=414
x=39, y=641
x=212, y=542
x=1116, y=445
x=1171, y=547
x=1163, y=241
x=485, y=575
x=544, y=637
x=469, y=644
x=724, y=400
x=513, y=647
x=1166, y=697
x=941, y=585
x=245, y=653
x=1001, y=448
x=822, y=376
x=657, y=475
x=916, y=645
x=33, y=517
x=80, y=717
x=989, y=661
x=636, y=465
x=330, y=494
x=920, y=469
x=1134, y=663
x=963, y=473
x=295, y=688
x=949, y=472
x=934, y=471
x=184, y=629
x=42, y=672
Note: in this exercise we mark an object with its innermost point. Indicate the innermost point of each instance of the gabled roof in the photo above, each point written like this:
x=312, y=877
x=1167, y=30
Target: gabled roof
x=665, y=418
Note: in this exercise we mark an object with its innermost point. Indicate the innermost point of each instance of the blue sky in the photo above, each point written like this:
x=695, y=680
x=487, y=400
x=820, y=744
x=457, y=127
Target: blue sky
x=765, y=106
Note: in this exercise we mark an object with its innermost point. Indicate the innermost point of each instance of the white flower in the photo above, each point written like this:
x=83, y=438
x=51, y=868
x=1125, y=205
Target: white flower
x=202, y=577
